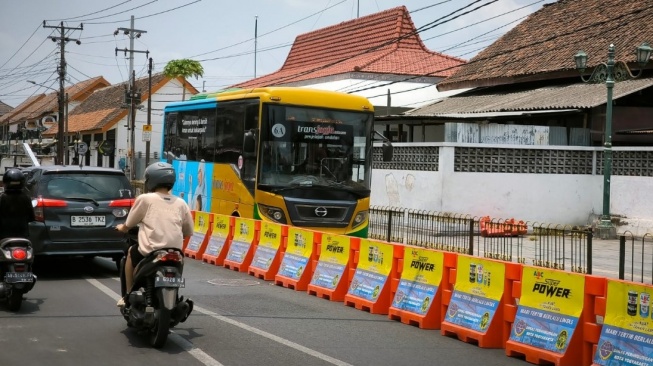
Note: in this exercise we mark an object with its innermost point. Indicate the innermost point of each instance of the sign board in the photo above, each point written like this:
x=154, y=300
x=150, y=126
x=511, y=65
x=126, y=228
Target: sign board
x=81, y=147
x=105, y=147
x=147, y=133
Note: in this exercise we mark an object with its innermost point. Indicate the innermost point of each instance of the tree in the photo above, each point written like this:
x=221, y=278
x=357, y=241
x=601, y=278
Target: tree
x=184, y=68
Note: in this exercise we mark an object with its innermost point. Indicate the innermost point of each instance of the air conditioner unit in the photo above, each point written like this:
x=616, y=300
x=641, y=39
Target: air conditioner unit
x=48, y=121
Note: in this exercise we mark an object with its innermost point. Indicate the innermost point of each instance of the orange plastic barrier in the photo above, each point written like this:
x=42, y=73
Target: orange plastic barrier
x=370, y=289
x=218, y=244
x=506, y=228
x=418, y=298
x=269, y=251
x=331, y=276
x=243, y=244
x=188, y=239
x=201, y=233
x=626, y=336
x=299, y=260
x=474, y=312
x=549, y=322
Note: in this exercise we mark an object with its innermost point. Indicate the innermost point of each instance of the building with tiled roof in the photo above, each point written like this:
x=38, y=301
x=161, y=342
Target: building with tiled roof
x=529, y=77
x=5, y=108
x=359, y=55
x=101, y=120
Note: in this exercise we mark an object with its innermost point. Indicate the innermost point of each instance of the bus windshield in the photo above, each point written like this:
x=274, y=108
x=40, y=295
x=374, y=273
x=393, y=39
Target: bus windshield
x=315, y=147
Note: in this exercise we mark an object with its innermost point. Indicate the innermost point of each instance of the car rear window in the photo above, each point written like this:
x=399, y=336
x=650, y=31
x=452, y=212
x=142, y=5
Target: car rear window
x=97, y=186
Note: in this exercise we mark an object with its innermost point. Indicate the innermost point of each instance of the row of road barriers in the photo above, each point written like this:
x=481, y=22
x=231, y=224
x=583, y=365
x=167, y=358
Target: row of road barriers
x=544, y=315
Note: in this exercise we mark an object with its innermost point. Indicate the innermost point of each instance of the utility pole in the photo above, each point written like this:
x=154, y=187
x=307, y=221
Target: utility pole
x=255, y=41
x=61, y=134
x=133, y=96
x=149, y=112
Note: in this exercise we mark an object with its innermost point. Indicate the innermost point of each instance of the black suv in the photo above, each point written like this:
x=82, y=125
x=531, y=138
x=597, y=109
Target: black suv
x=76, y=209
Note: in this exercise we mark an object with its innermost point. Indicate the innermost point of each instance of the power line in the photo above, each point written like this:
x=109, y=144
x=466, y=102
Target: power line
x=93, y=13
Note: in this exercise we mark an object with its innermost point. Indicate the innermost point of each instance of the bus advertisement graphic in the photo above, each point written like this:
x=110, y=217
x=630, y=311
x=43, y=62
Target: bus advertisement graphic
x=334, y=256
x=477, y=293
x=627, y=334
x=193, y=183
x=549, y=308
x=268, y=245
x=300, y=248
x=374, y=266
x=244, y=232
x=420, y=279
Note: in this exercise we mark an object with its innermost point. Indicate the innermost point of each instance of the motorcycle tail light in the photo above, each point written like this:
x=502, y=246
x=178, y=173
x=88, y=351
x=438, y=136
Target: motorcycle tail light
x=19, y=267
x=170, y=257
x=169, y=274
x=19, y=254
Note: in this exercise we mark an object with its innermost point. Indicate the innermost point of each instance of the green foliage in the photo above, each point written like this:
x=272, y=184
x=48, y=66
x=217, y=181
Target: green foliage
x=183, y=67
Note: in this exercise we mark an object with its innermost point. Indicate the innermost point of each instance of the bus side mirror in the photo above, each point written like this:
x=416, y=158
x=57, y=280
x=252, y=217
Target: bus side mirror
x=387, y=150
x=249, y=142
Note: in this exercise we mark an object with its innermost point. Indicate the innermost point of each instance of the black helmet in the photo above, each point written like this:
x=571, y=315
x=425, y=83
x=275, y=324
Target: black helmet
x=159, y=175
x=13, y=180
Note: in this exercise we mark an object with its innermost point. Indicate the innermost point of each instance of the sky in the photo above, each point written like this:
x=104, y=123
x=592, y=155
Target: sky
x=233, y=40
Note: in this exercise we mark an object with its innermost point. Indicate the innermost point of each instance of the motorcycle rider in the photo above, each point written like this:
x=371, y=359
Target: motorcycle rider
x=16, y=210
x=165, y=220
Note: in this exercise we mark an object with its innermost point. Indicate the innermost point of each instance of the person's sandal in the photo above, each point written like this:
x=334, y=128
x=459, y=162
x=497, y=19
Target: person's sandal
x=121, y=303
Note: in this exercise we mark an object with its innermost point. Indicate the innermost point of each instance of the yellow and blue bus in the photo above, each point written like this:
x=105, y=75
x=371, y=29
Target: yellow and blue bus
x=294, y=156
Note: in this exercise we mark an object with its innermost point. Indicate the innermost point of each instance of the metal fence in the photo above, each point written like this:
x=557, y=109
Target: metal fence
x=636, y=258
x=544, y=245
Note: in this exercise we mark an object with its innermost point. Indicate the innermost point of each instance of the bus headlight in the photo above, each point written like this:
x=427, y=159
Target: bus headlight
x=272, y=213
x=359, y=219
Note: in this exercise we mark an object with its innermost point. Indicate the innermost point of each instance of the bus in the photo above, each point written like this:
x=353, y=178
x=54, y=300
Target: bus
x=293, y=156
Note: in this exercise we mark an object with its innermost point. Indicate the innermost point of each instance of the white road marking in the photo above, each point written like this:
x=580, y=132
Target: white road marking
x=262, y=333
x=199, y=355
x=272, y=337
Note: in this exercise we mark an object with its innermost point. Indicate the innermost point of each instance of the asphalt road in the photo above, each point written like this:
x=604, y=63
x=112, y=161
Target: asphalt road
x=70, y=318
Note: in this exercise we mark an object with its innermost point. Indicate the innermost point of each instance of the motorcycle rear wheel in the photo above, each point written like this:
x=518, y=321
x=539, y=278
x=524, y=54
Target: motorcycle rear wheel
x=159, y=333
x=14, y=300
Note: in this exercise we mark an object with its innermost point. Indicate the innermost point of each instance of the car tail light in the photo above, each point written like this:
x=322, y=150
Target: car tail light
x=127, y=202
x=19, y=254
x=46, y=202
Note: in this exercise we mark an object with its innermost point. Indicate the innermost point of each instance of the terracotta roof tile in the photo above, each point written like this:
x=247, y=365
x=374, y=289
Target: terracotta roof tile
x=17, y=112
x=102, y=109
x=5, y=108
x=547, y=40
x=50, y=103
x=384, y=42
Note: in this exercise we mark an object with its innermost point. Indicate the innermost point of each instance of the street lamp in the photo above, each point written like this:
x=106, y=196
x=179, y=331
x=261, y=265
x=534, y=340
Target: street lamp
x=609, y=73
x=60, y=121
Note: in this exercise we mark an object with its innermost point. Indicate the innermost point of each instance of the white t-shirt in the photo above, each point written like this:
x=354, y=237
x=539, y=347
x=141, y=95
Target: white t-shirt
x=165, y=221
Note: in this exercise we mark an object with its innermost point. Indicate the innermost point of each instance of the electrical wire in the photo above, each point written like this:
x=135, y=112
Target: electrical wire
x=93, y=13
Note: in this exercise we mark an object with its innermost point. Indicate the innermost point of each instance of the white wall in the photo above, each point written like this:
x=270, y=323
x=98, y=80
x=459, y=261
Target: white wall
x=568, y=199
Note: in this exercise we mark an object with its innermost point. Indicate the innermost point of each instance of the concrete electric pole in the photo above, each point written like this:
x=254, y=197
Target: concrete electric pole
x=133, y=96
x=61, y=70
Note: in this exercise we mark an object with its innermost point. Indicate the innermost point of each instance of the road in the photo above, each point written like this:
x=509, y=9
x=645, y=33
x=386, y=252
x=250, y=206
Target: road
x=70, y=318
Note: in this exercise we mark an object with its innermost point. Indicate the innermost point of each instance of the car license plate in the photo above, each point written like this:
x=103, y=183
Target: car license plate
x=169, y=282
x=87, y=221
x=15, y=277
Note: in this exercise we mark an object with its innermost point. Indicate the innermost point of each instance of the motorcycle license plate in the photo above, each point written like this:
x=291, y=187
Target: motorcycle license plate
x=15, y=277
x=169, y=282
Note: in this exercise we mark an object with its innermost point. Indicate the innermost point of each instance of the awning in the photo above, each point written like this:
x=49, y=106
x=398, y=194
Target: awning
x=547, y=99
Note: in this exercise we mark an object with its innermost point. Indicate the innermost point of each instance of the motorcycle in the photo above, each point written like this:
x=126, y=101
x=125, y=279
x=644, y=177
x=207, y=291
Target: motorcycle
x=16, y=271
x=153, y=304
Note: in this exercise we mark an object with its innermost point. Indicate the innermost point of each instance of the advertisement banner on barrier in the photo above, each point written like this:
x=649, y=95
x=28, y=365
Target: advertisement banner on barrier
x=477, y=293
x=300, y=248
x=219, y=235
x=551, y=303
x=268, y=245
x=374, y=266
x=627, y=334
x=201, y=226
x=334, y=256
x=420, y=279
x=244, y=231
